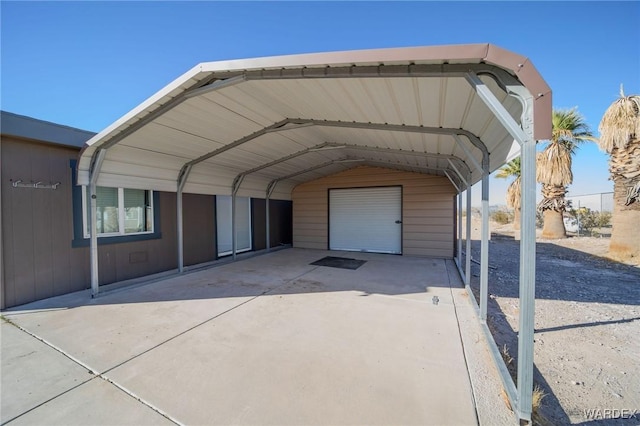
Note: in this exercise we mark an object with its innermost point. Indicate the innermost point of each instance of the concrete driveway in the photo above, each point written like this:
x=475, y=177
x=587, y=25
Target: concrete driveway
x=266, y=340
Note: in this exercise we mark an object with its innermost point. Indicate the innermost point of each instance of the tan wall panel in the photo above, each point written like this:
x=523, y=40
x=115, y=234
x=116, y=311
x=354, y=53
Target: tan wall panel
x=427, y=209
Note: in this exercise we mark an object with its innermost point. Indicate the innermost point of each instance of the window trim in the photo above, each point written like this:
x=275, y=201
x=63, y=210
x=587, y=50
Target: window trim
x=79, y=208
x=121, y=215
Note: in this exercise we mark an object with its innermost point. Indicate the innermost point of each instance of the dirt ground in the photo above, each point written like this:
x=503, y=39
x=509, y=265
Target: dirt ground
x=587, y=327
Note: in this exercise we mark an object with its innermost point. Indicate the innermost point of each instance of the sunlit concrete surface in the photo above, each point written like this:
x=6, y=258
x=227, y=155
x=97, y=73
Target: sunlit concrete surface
x=266, y=340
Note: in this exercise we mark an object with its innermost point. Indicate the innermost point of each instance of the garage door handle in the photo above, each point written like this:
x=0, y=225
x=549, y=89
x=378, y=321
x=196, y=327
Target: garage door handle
x=398, y=221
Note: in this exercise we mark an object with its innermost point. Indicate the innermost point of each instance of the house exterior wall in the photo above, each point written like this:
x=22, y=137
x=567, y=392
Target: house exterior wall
x=40, y=258
x=44, y=253
x=199, y=213
x=427, y=215
x=37, y=224
x=124, y=261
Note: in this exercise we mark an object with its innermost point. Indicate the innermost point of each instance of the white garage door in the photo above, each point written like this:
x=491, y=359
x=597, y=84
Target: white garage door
x=366, y=219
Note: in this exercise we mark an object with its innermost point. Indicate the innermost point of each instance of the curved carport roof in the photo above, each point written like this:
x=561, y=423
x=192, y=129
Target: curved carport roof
x=259, y=127
x=295, y=118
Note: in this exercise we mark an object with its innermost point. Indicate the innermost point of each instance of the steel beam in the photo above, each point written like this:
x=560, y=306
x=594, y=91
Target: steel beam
x=270, y=188
x=94, y=172
x=322, y=146
x=268, y=221
x=467, y=269
x=455, y=169
x=464, y=148
x=166, y=107
x=238, y=142
x=398, y=166
x=363, y=148
x=496, y=107
x=527, y=262
x=234, y=191
x=459, y=218
x=501, y=76
x=524, y=136
x=475, y=140
x=448, y=175
x=484, y=250
x=215, y=85
x=283, y=125
x=182, y=180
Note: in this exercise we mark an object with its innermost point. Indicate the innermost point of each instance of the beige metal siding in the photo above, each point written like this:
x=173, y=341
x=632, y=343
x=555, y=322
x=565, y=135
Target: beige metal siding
x=427, y=213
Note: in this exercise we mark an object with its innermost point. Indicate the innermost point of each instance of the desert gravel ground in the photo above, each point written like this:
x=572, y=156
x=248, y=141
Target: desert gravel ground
x=587, y=338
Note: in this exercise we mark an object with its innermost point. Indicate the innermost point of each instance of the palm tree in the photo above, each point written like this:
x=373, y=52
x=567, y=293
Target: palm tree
x=512, y=169
x=620, y=138
x=554, y=168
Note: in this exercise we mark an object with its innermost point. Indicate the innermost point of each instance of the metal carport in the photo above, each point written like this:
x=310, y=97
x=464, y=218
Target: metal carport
x=258, y=127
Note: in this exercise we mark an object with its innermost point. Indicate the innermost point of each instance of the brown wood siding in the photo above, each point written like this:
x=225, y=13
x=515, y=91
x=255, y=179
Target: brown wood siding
x=37, y=230
x=199, y=228
x=428, y=218
x=124, y=261
x=37, y=224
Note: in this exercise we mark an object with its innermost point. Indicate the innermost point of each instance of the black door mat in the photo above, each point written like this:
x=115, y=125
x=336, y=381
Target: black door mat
x=339, y=262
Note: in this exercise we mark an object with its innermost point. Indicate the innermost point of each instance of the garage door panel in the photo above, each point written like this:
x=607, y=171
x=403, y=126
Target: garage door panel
x=364, y=219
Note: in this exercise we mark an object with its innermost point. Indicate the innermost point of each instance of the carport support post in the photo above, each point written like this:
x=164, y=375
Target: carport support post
x=95, y=283
x=460, y=230
x=94, y=171
x=270, y=188
x=266, y=213
x=527, y=265
x=467, y=270
x=182, y=179
x=484, y=249
x=233, y=225
x=180, y=230
x=524, y=136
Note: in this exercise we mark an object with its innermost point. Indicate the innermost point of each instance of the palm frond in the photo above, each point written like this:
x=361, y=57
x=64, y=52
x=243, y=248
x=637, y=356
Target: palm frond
x=570, y=129
x=553, y=166
x=620, y=123
x=514, y=191
x=512, y=168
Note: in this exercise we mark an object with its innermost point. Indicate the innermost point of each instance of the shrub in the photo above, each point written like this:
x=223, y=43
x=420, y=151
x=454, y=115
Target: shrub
x=501, y=217
x=591, y=220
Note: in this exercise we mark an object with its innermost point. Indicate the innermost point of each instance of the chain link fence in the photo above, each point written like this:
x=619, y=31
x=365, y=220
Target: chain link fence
x=589, y=214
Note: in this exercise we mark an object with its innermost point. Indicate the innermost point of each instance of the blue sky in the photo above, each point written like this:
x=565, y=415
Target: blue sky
x=85, y=64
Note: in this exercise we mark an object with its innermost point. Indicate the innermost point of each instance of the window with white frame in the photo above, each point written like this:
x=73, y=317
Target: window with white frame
x=120, y=211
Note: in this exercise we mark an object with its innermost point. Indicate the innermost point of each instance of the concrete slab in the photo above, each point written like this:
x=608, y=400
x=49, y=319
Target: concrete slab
x=312, y=358
x=32, y=372
x=96, y=402
x=113, y=328
x=272, y=339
